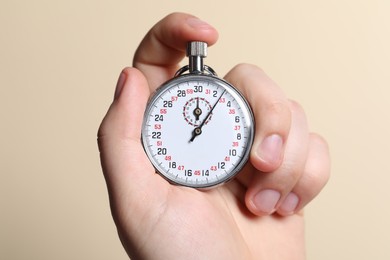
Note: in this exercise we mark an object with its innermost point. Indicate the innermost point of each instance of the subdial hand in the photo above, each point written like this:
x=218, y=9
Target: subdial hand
x=198, y=130
x=197, y=111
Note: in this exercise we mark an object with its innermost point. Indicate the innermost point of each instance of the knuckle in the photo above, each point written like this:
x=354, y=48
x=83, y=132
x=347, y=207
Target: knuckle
x=278, y=107
x=278, y=116
x=319, y=140
x=313, y=183
x=295, y=106
x=246, y=67
x=317, y=170
x=298, y=115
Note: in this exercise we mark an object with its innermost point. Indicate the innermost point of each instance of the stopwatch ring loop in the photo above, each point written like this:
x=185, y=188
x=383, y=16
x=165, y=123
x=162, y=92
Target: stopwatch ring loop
x=210, y=70
x=186, y=68
x=182, y=70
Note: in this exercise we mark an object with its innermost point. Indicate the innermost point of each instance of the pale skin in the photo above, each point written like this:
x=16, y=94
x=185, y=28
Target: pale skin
x=257, y=215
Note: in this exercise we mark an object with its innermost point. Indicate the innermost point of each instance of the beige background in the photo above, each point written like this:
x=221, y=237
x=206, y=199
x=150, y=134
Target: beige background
x=59, y=62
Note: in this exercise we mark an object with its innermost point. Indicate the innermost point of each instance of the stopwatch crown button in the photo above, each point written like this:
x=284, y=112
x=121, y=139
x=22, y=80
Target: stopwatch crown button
x=197, y=49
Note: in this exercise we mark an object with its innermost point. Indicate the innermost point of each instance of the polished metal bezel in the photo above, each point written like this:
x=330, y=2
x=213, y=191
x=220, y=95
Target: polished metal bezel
x=246, y=109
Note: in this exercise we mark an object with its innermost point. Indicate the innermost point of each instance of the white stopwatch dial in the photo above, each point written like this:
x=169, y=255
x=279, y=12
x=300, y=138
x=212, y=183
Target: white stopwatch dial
x=197, y=130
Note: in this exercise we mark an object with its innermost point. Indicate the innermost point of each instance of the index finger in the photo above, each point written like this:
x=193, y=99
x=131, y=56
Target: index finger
x=163, y=47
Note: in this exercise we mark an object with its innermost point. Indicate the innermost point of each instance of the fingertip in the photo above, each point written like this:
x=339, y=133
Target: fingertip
x=184, y=27
x=203, y=30
x=119, y=85
x=166, y=42
x=267, y=154
x=129, y=75
x=132, y=83
x=263, y=202
x=289, y=205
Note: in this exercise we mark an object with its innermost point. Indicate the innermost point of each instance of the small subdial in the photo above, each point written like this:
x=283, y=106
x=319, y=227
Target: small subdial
x=195, y=110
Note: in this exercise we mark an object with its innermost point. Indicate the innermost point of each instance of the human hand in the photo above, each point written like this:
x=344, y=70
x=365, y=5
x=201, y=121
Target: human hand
x=257, y=215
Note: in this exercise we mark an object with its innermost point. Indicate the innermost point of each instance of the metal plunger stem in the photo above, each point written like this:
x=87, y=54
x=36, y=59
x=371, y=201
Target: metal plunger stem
x=196, y=51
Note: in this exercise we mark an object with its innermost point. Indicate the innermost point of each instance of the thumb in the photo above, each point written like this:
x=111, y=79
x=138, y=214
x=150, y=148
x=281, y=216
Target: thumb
x=131, y=179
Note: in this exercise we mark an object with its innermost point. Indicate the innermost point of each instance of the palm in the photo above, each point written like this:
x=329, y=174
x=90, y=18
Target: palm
x=213, y=224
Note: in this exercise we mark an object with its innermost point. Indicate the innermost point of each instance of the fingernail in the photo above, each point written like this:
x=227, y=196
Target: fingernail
x=197, y=23
x=270, y=149
x=289, y=204
x=119, y=84
x=265, y=201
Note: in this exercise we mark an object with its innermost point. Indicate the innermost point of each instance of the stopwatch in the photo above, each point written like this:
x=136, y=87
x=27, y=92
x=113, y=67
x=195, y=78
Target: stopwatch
x=197, y=129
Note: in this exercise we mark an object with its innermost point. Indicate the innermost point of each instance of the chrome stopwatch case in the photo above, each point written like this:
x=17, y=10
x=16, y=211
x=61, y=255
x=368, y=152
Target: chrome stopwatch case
x=197, y=129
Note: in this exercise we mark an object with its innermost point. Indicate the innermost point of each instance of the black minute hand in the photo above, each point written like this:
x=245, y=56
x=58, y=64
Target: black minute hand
x=198, y=130
x=197, y=111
